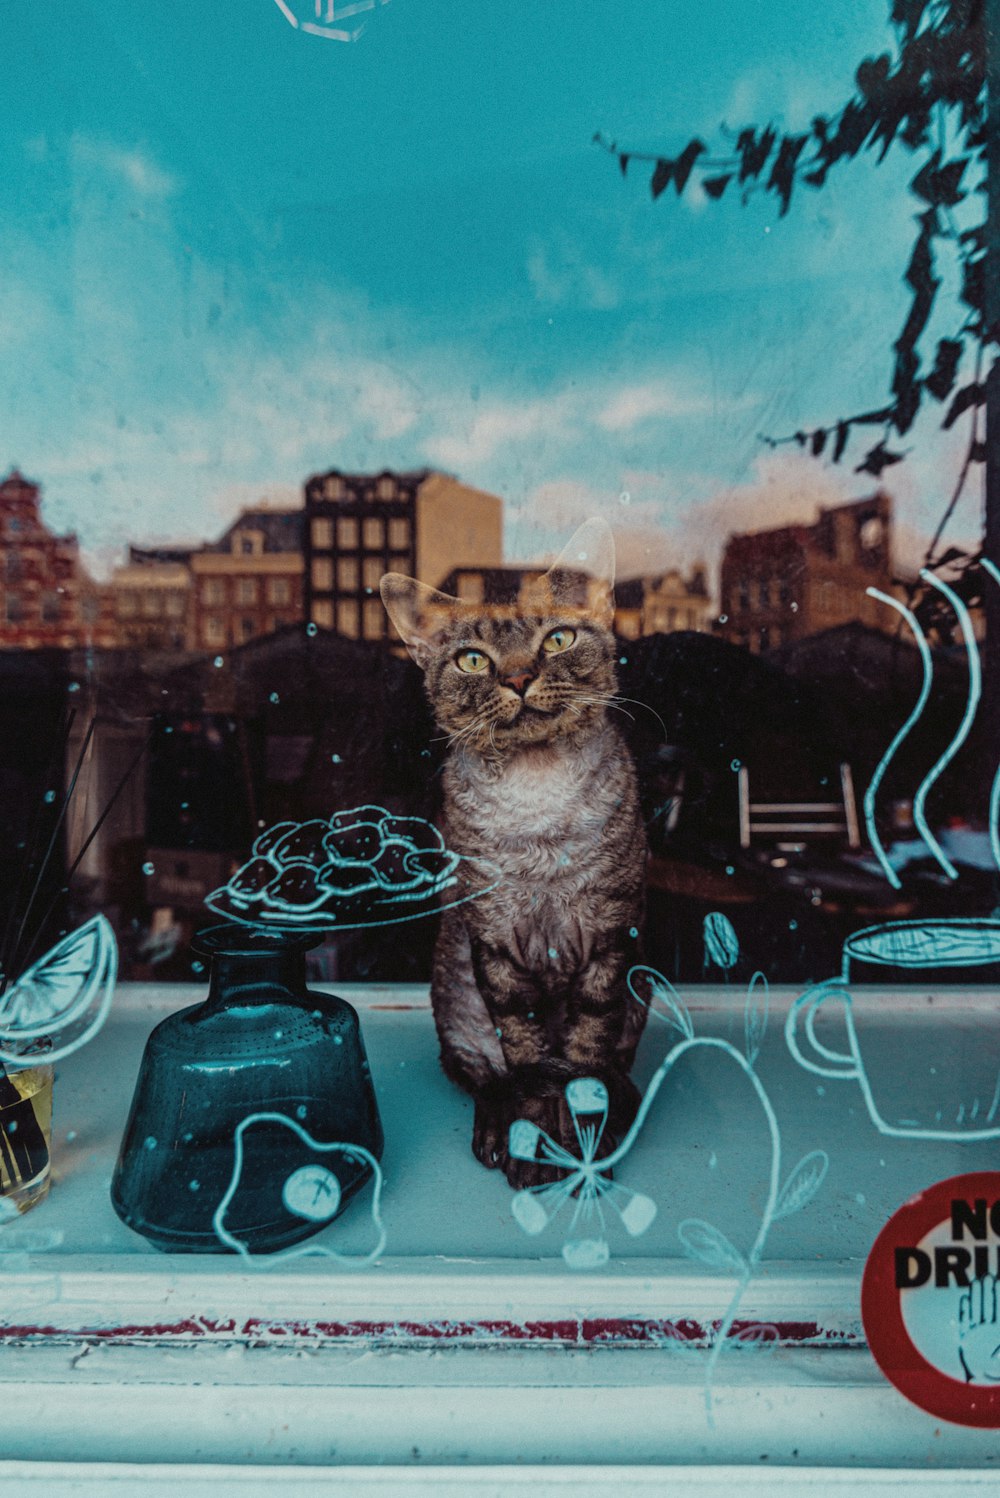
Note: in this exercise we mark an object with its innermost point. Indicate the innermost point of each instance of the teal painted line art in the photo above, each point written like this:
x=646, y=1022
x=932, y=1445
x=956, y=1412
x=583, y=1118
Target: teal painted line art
x=320, y=17
x=972, y=702
x=311, y=1191
x=63, y=998
x=588, y=1179
x=585, y=1181
x=722, y=947
x=361, y=867
x=994, y=812
x=815, y=1055
x=883, y=764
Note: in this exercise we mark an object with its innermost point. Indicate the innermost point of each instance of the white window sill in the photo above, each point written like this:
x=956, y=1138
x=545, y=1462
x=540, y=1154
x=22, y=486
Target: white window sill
x=470, y=1341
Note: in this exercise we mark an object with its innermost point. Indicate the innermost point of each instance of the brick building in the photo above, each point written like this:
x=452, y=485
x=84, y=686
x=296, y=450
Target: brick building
x=659, y=605
x=778, y=586
x=47, y=597
x=359, y=526
x=249, y=582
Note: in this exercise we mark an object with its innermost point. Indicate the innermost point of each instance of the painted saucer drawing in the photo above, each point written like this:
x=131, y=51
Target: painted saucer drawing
x=362, y=867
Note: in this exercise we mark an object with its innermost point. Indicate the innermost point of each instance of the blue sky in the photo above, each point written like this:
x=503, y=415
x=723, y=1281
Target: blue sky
x=234, y=253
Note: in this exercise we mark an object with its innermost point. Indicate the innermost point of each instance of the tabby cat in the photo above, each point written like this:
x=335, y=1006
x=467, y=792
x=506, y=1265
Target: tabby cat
x=529, y=985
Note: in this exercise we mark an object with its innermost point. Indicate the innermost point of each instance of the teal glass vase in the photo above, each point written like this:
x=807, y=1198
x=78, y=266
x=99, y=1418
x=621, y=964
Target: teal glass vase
x=238, y=1101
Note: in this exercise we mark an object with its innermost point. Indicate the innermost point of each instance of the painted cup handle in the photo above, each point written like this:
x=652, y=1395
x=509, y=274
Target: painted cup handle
x=803, y=1014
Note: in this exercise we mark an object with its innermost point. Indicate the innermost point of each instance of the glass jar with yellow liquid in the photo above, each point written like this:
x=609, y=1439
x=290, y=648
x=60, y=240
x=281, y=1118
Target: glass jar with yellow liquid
x=25, y=1135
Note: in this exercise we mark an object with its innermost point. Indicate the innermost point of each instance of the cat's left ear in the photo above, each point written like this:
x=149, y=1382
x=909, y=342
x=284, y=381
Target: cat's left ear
x=420, y=614
x=591, y=551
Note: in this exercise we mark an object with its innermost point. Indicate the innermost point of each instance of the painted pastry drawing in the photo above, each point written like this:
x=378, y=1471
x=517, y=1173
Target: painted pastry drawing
x=362, y=867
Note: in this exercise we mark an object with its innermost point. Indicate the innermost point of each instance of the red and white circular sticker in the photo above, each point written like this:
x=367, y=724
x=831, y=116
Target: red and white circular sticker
x=930, y=1299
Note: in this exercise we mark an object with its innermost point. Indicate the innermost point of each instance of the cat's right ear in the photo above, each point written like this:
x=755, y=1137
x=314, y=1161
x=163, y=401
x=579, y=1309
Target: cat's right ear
x=419, y=613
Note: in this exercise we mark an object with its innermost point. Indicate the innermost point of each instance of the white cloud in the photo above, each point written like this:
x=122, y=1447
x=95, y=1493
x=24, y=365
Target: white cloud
x=633, y=404
x=132, y=166
x=497, y=426
x=560, y=275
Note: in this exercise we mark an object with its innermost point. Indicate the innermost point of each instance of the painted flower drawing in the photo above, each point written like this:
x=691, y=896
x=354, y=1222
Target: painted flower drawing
x=587, y=1182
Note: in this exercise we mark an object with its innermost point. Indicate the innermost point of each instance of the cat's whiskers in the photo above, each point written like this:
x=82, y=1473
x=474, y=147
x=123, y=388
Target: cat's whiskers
x=636, y=703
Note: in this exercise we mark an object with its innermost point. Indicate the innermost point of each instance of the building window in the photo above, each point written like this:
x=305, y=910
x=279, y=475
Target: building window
x=14, y=566
x=176, y=604
x=279, y=589
x=213, y=631
x=213, y=590
x=386, y=488
x=323, y=613
x=400, y=562
x=248, y=543
x=347, y=619
x=375, y=617
x=245, y=590
x=248, y=627
x=15, y=608
x=322, y=574
x=373, y=571
x=322, y=533
x=347, y=533
x=765, y=593
x=51, y=606
x=399, y=534
x=347, y=574
x=333, y=486
x=126, y=604
x=743, y=595
x=470, y=587
x=374, y=534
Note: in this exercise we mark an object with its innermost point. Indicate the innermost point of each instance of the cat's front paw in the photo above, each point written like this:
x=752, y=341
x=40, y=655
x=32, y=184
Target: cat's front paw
x=490, y=1127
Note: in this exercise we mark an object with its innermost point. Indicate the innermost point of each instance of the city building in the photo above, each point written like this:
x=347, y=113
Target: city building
x=659, y=605
x=149, y=603
x=781, y=585
x=47, y=597
x=249, y=582
x=359, y=526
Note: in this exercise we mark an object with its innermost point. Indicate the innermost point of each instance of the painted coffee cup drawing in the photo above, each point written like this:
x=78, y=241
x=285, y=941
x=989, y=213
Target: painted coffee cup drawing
x=913, y=952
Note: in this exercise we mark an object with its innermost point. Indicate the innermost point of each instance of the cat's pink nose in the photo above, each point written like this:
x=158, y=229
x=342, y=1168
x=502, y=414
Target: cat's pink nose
x=519, y=680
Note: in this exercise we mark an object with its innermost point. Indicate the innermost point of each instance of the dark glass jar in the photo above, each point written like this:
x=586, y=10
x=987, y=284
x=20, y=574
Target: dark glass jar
x=261, y=1043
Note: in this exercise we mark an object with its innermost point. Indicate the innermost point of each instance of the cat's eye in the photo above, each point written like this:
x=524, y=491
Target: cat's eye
x=558, y=641
x=473, y=661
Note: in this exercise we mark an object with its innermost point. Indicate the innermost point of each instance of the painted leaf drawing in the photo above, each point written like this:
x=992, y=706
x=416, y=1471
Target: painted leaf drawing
x=755, y=1016
x=722, y=945
x=659, y=996
x=802, y=1184
x=709, y=1246
x=65, y=996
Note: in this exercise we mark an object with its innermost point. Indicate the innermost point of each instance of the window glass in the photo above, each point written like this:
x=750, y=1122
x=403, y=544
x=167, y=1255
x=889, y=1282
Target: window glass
x=655, y=346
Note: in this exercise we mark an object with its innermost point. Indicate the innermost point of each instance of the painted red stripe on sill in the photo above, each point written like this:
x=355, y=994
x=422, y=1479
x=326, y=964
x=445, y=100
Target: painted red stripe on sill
x=585, y=1332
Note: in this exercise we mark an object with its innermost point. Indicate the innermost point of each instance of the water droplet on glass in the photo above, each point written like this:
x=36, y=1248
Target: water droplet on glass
x=194, y=1185
x=217, y=661
x=310, y=630
x=50, y=796
x=624, y=497
x=300, y=1111
x=735, y=764
x=274, y=697
x=149, y=1142
x=148, y=868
